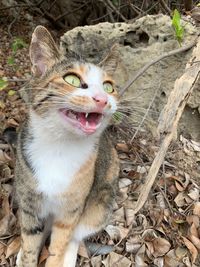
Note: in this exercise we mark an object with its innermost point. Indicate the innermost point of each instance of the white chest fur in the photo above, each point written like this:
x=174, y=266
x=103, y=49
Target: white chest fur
x=55, y=164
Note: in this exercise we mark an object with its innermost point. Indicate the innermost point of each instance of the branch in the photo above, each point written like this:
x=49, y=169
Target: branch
x=165, y=6
x=110, y=4
x=169, y=119
x=70, y=12
x=148, y=65
x=14, y=6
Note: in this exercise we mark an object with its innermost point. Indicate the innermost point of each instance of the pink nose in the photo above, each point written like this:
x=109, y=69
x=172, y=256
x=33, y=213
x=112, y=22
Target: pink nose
x=101, y=100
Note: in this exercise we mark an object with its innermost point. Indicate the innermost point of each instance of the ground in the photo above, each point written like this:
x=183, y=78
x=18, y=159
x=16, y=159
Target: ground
x=165, y=232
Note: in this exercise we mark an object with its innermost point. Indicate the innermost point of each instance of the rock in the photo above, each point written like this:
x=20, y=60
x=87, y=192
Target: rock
x=141, y=42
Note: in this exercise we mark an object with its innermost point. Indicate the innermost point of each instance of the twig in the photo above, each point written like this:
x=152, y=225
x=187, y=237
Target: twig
x=146, y=113
x=14, y=20
x=148, y=65
x=109, y=3
x=169, y=119
x=69, y=12
x=14, y=6
x=165, y=6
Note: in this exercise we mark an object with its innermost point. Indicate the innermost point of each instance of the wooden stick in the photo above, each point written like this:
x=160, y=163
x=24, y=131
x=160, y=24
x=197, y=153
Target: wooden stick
x=169, y=119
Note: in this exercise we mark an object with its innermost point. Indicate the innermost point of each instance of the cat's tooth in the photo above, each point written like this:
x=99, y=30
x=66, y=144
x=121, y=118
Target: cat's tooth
x=86, y=115
x=87, y=124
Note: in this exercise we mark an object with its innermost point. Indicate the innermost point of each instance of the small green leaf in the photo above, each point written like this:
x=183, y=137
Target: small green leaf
x=11, y=92
x=17, y=44
x=11, y=60
x=176, y=23
x=115, y=2
x=3, y=84
x=117, y=117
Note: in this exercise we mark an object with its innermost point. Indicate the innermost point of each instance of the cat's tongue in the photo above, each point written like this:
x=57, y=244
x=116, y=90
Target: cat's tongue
x=89, y=121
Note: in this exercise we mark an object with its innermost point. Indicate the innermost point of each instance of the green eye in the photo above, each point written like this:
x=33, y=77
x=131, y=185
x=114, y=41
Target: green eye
x=73, y=80
x=108, y=87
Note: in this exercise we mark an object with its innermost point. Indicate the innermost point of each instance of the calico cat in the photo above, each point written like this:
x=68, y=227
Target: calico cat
x=67, y=168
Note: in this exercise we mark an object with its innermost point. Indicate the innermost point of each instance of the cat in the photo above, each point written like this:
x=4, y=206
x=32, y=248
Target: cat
x=67, y=168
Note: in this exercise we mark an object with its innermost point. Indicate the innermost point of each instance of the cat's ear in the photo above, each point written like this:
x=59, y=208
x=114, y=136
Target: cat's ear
x=110, y=62
x=43, y=51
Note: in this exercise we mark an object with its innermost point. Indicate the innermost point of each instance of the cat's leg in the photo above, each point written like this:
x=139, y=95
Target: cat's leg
x=71, y=253
x=31, y=238
x=61, y=235
x=95, y=216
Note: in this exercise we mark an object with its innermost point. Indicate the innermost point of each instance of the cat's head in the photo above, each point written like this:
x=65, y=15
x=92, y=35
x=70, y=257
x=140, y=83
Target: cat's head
x=68, y=94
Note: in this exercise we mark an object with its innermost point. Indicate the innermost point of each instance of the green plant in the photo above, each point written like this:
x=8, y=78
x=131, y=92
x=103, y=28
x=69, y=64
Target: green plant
x=176, y=23
x=3, y=84
x=17, y=44
x=117, y=117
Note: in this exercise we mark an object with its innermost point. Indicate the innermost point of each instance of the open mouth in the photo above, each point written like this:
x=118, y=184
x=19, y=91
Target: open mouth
x=87, y=122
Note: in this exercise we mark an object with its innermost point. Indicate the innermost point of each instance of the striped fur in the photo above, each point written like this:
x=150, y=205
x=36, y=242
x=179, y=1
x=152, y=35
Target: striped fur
x=65, y=175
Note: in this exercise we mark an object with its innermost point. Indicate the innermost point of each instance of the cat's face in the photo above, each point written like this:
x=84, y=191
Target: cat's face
x=70, y=95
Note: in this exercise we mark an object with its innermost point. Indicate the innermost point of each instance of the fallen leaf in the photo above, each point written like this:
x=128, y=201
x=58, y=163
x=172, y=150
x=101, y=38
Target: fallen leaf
x=191, y=248
x=124, y=182
x=196, y=209
x=161, y=246
x=180, y=253
x=43, y=255
x=116, y=232
x=194, y=194
x=130, y=216
x=116, y=260
x=83, y=251
x=180, y=199
x=139, y=257
x=96, y=261
x=171, y=260
x=122, y=147
x=119, y=215
x=13, y=247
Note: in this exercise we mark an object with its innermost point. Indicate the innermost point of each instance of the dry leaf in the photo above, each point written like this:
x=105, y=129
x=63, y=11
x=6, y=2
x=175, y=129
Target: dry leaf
x=161, y=201
x=116, y=232
x=159, y=262
x=161, y=247
x=2, y=249
x=180, y=199
x=82, y=251
x=124, y=182
x=180, y=253
x=132, y=248
x=4, y=158
x=13, y=247
x=193, y=219
x=6, y=224
x=139, y=257
x=191, y=248
x=130, y=216
x=96, y=261
x=170, y=259
x=194, y=194
x=122, y=147
x=43, y=255
x=119, y=215
x=196, y=210
x=116, y=260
